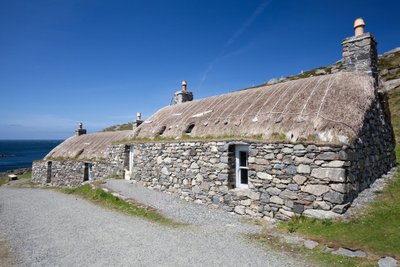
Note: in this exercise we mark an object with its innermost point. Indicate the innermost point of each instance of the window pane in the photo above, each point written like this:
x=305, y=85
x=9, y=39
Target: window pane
x=242, y=158
x=243, y=176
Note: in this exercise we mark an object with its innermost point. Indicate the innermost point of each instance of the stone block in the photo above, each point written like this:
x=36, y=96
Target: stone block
x=334, y=197
x=276, y=200
x=320, y=214
x=316, y=190
x=264, y=176
x=273, y=191
x=239, y=210
x=291, y=170
x=302, y=168
x=334, y=164
x=330, y=174
x=298, y=208
x=299, y=179
x=328, y=156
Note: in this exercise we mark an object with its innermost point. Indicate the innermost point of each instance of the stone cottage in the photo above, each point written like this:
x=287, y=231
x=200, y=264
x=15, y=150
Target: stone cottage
x=306, y=146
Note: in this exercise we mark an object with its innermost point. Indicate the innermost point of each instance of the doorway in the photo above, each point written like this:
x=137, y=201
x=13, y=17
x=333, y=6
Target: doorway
x=88, y=172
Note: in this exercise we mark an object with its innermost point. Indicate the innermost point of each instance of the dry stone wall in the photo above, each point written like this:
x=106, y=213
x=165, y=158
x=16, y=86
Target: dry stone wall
x=284, y=179
x=72, y=172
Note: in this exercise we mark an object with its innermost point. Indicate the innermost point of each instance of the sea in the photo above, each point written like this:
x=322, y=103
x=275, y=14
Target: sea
x=16, y=154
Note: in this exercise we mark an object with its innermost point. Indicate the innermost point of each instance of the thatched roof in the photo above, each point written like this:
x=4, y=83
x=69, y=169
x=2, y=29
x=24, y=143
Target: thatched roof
x=88, y=146
x=327, y=107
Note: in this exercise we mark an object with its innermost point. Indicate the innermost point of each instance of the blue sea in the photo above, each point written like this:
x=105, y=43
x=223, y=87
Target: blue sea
x=16, y=154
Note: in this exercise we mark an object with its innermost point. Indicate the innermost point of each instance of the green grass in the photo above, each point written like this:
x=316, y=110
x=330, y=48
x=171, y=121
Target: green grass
x=3, y=180
x=107, y=200
x=27, y=175
x=332, y=260
x=316, y=255
x=377, y=232
x=119, y=127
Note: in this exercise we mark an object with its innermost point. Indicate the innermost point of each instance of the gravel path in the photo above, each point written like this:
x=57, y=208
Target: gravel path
x=48, y=228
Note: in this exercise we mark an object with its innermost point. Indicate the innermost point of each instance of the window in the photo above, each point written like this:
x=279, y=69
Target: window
x=161, y=131
x=242, y=168
x=189, y=129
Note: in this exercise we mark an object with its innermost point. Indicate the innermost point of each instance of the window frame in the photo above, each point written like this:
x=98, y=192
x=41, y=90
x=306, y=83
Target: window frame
x=238, y=167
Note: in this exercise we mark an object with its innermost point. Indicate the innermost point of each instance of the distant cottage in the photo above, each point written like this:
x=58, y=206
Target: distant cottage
x=307, y=146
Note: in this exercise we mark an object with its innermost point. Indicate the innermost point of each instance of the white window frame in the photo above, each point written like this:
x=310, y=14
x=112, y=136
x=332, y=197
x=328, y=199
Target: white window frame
x=131, y=157
x=238, y=149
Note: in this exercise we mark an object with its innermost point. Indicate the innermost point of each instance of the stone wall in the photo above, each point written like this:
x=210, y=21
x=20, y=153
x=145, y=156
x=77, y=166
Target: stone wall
x=72, y=172
x=284, y=179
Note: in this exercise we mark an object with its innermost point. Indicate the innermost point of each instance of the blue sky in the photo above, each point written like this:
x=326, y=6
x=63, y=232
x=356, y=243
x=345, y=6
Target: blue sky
x=100, y=62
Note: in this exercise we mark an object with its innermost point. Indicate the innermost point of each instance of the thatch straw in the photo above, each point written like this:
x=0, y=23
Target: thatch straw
x=88, y=146
x=329, y=105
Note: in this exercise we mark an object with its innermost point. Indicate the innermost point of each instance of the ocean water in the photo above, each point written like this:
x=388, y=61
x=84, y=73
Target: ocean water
x=16, y=154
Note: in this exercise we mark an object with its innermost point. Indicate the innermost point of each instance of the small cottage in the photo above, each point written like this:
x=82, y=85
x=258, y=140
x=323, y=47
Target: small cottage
x=306, y=146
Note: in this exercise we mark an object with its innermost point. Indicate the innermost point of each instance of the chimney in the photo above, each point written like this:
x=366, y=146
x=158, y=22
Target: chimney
x=359, y=51
x=138, y=119
x=184, y=86
x=80, y=131
x=182, y=96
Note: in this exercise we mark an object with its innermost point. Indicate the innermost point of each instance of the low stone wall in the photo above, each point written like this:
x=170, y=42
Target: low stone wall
x=72, y=172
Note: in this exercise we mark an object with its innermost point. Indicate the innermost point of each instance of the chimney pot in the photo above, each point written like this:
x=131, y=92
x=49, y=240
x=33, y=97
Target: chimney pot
x=80, y=131
x=184, y=86
x=359, y=26
x=138, y=119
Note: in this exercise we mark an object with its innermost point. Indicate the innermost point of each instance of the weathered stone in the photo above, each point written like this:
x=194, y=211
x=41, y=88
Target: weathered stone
x=199, y=178
x=302, y=168
x=334, y=164
x=320, y=214
x=276, y=200
x=350, y=253
x=264, y=176
x=328, y=156
x=303, y=160
x=194, y=165
x=196, y=189
x=387, y=262
x=315, y=189
x=341, y=208
x=286, y=212
x=299, y=179
x=331, y=174
x=287, y=150
x=322, y=205
x=269, y=156
x=287, y=194
x=310, y=244
x=273, y=191
x=245, y=202
x=298, y=208
x=239, y=210
x=165, y=171
x=290, y=170
x=334, y=197
x=340, y=187
x=293, y=187
x=254, y=195
x=299, y=147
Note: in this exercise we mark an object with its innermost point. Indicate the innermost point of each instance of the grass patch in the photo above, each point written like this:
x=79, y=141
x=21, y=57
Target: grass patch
x=377, y=232
x=316, y=255
x=3, y=180
x=106, y=199
x=27, y=175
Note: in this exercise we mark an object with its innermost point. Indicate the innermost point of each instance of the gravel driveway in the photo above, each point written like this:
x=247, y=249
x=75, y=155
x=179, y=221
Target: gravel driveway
x=49, y=228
